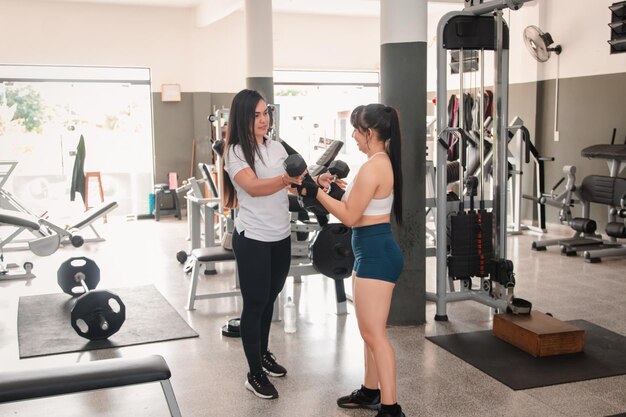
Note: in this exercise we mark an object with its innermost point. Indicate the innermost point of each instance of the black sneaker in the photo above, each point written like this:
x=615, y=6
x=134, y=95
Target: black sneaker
x=271, y=366
x=359, y=400
x=261, y=386
x=382, y=413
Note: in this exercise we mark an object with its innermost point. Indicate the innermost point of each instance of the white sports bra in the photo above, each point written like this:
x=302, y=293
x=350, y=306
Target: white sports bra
x=377, y=206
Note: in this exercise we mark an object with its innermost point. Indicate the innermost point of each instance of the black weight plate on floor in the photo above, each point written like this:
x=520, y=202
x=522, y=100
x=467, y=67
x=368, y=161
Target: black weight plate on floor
x=231, y=329
x=94, y=308
x=66, y=275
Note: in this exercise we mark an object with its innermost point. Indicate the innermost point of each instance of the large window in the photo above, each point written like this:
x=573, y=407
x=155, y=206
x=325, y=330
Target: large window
x=315, y=107
x=44, y=111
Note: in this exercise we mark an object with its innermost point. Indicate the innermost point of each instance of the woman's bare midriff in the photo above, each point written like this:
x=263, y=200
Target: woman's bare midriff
x=370, y=220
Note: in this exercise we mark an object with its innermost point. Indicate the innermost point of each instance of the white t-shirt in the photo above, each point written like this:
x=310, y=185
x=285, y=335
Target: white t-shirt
x=264, y=218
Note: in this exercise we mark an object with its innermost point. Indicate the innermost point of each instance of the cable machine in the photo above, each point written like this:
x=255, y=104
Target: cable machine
x=473, y=243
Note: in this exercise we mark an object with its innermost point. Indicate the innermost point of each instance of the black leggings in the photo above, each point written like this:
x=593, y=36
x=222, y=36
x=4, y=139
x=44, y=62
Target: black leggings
x=263, y=269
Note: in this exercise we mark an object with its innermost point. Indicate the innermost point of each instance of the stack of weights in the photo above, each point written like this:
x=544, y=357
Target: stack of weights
x=471, y=242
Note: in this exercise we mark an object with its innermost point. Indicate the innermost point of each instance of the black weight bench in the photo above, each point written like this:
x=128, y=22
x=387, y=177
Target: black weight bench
x=106, y=373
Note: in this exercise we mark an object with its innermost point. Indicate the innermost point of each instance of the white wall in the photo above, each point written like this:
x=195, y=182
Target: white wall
x=307, y=42
x=219, y=56
x=41, y=32
x=167, y=40
x=326, y=42
x=213, y=58
x=579, y=26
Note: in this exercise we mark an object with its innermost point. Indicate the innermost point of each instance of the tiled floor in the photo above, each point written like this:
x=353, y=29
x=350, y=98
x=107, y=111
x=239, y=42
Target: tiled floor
x=324, y=356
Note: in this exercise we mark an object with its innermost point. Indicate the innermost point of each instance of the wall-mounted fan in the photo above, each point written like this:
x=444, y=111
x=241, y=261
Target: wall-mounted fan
x=538, y=43
x=539, y=46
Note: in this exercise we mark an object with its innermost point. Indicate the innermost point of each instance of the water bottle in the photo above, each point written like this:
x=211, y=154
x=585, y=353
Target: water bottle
x=290, y=316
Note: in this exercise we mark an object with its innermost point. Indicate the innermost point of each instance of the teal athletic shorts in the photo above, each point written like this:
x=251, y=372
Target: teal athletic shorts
x=376, y=253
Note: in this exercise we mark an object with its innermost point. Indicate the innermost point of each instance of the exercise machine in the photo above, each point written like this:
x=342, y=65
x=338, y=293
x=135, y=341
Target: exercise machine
x=48, y=236
x=20, y=221
x=609, y=191
x=309, y=230
x=483, y=254
x=606, y=190
x=615, y=157
x=528, y=153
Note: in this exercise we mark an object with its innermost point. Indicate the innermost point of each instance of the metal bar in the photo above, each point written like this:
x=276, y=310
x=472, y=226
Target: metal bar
x=441, y=169
x=500, y=139
x=482, y=128
x=490, y=6
x=172, y=404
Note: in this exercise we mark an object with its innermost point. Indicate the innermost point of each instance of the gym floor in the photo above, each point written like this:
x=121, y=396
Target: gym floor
x=324, y=356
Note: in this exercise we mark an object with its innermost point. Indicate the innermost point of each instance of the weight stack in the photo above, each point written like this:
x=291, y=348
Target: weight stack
x=471, y=244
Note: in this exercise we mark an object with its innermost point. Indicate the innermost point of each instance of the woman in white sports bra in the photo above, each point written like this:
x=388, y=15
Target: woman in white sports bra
x=366, y=207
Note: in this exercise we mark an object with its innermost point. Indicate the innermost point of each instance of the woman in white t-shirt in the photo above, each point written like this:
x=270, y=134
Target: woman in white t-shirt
x=258, y=186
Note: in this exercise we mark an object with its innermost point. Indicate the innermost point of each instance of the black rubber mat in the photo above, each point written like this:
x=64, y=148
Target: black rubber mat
x=43, y=323
x=604, y=356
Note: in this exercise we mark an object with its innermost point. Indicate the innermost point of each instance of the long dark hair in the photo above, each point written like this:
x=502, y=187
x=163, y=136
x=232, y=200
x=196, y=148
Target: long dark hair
x=240, y=131
x=385, y=121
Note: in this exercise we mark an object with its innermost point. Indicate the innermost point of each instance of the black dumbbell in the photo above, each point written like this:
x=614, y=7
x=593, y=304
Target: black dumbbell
x=340, y=170
x=96, y=314
x=295, y=165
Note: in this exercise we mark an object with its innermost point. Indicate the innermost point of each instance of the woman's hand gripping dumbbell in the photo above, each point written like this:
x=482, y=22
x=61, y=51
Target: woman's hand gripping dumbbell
x=331, y=181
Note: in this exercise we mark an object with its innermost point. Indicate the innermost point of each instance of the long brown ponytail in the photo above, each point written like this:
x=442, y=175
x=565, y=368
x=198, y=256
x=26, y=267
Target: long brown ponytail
x=385, y=121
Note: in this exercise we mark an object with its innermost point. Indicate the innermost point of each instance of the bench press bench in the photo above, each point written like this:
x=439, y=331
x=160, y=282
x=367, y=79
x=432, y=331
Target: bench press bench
x=208, y=255
x=101, y=374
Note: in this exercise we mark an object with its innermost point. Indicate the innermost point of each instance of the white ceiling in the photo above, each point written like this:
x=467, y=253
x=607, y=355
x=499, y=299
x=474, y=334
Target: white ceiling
x=341, y=7
x=209, y=11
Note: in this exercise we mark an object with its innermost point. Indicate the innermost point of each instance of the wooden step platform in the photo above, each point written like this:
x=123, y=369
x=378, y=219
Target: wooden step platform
x=539, y=334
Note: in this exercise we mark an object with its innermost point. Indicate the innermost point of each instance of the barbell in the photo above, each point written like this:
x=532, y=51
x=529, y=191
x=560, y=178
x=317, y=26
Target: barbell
x=96, y=314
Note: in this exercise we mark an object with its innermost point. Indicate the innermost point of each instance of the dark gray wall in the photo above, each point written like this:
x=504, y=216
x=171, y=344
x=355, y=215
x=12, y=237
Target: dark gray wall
x=173, y=135
x=403, y=86
x=202, y=107
x=264, y=85
x=589, y=109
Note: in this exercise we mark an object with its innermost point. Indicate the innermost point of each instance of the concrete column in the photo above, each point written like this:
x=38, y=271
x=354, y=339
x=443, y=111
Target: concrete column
x=259, y=48
x=403, y=25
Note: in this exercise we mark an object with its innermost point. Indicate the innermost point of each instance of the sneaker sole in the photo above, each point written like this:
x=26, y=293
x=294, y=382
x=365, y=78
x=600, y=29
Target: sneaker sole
x=265, y=397
x=353, y=406
x=274, y=374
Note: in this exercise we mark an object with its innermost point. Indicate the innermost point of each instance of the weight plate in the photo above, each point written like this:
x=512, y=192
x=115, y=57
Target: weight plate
x=98, y=314
x=67, y=273
x=231, y=328
x=331, y=252
x=229, y=333
x=233, y=325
